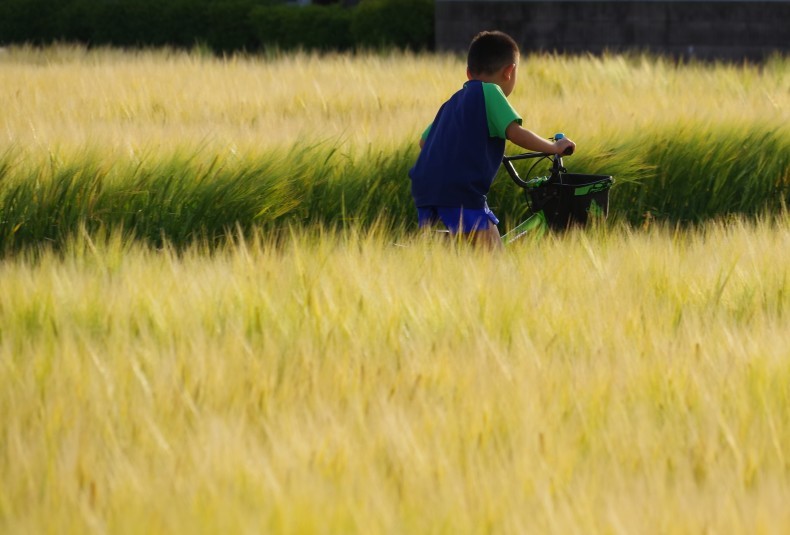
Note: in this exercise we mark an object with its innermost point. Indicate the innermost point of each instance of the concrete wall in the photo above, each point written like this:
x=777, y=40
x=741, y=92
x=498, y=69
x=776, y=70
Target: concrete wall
x=689, y=28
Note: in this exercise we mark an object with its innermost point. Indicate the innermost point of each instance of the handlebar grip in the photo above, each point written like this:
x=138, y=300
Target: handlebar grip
x=558, y=136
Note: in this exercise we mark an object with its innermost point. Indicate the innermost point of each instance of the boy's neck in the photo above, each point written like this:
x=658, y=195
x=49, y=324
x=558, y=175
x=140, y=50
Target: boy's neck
x=505, y=77
x=483, y=78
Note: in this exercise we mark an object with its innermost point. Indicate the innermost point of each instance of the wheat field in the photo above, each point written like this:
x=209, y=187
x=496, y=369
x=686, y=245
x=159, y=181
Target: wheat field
x=364, y=379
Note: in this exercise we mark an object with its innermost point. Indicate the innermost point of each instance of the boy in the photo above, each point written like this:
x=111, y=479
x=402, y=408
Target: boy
x=463, y=147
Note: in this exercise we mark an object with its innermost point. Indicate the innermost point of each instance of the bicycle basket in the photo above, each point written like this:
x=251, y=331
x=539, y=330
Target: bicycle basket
x=570, y=199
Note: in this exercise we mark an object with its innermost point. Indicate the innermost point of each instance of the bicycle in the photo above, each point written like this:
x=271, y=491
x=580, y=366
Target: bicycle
x=560, y=200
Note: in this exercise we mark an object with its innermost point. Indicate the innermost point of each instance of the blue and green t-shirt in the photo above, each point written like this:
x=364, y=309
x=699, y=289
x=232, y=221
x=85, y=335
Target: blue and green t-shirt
x=463, y=148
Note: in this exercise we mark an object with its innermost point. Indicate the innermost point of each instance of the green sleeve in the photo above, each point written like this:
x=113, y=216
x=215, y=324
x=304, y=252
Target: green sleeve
x=426, y=132
x=498, y=110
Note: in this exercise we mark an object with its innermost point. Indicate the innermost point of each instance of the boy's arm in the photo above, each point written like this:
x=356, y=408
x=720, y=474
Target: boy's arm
x=529, y=140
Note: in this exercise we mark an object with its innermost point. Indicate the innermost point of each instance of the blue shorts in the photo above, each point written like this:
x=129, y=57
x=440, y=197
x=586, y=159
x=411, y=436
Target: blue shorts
x=454, y=217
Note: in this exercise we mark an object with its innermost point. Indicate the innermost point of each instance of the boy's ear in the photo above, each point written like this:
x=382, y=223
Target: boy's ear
x=507, y=72
x=468, y=74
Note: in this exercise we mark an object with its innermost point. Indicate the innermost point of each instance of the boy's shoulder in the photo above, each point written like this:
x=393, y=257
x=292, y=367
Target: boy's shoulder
x=498, y=111
x=480, y=104
x=473, y=93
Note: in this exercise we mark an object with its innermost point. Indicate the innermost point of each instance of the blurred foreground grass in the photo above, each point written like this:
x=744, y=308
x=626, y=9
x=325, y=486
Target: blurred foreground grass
x=608, y=381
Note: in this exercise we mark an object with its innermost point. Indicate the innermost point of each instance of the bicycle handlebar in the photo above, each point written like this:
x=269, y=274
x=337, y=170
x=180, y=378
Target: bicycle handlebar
x=555, y=158
x=507, y=163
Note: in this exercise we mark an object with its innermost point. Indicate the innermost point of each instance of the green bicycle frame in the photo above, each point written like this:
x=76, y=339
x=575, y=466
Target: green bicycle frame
x=535, y=225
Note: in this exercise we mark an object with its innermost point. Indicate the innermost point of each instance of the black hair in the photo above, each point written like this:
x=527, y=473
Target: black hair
x=490, y=51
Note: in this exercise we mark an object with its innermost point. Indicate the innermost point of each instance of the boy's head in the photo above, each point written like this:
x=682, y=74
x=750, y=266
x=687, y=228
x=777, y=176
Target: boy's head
x=491, y=51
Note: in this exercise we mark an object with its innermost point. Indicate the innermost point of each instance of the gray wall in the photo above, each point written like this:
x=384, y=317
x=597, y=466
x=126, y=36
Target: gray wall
x=691, y=28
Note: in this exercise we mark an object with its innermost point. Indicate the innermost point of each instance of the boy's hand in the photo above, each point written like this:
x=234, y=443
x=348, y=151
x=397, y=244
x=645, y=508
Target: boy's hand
x=564, y=147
